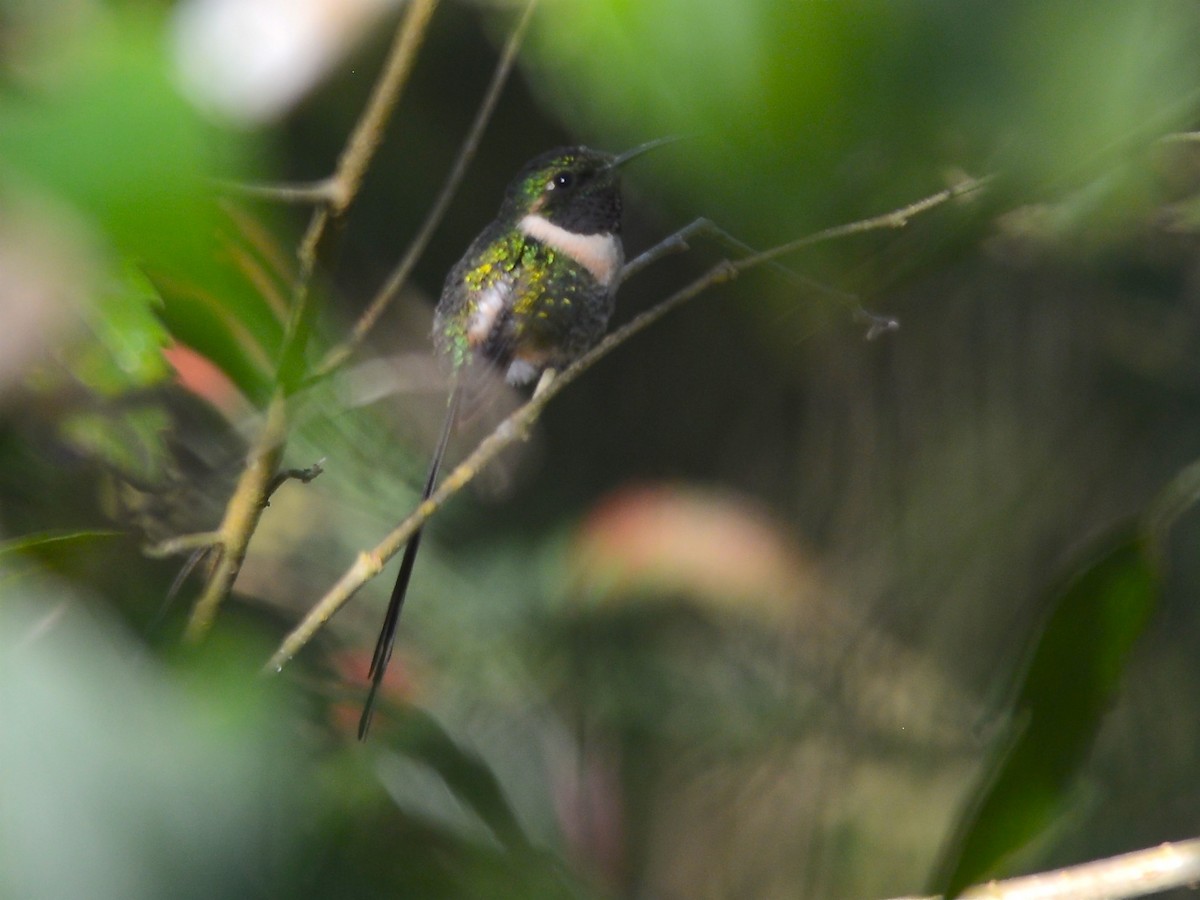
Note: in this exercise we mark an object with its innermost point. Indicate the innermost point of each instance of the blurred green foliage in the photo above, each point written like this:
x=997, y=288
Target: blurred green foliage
x=1069, y=685
x=121, y=779
x=816, y=113
x=744, y=619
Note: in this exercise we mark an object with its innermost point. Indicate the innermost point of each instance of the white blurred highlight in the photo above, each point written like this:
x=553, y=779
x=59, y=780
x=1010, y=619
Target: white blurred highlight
x=252, y=60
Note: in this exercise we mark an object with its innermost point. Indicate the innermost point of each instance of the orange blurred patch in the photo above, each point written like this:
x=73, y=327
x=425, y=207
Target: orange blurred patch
x=708, y=545
x=401, y=685
x=201, y=377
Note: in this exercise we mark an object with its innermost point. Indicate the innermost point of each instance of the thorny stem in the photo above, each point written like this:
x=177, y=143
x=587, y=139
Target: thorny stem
x=517, y=426
x=245, y=507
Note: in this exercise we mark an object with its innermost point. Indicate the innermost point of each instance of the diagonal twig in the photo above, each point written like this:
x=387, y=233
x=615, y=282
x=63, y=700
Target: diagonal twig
x=1135, y=874
x=897, y=218
x=246, y=505
x=516, y=427
x=399, y=277
x=305, y=193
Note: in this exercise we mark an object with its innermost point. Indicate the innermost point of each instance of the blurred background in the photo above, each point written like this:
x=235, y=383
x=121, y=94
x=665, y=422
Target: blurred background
x=752, y=614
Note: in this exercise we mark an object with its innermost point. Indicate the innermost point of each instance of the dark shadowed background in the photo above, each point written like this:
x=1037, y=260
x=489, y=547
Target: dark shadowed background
x=753, y=613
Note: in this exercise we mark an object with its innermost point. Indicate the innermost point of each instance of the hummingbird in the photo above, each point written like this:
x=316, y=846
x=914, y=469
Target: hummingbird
x=533, y=292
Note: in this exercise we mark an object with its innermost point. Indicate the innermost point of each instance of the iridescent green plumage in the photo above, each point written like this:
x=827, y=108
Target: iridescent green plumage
x=537, y=286
x=533, y=291
x=520, y=299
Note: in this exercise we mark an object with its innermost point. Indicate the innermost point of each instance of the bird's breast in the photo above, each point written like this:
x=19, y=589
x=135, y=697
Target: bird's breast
x=601, y=254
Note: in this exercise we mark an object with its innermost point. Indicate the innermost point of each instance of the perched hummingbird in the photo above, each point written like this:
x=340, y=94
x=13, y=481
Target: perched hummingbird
x=533, y=292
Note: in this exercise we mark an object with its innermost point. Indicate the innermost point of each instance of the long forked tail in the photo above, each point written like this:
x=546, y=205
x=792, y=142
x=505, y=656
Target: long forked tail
x=387, y=634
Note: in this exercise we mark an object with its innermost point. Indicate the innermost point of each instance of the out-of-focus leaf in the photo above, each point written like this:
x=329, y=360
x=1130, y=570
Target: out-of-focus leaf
x=128, y=338
x=1185, y=215
x=110, y=135
x=380, y=851
x=813, y=113
x=236, y=320
x=40, y=545
x=25, y=558
x=420, y=737
x=209, y=325
x=119, y=781
x=1073, y=674
x=448, y=829
x=131, y=442
x=103, y=131
x=1173, y=501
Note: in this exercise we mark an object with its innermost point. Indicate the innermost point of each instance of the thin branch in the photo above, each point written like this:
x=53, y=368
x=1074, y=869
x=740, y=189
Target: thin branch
x=352, y=165
x=242, y=513
x=679, y=242
x=368, y=134
x=399, y=277
x=312, y=192
x=897, y=218
x=249, y=499
x=185, y=543
x=1180, y=137
x=1134, y=874
x=304, y=476
x=516, y=427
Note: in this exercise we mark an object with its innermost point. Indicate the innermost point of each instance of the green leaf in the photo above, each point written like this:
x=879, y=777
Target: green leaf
x=210, y=324
x=868, y=95
x=110, y=139
x=128, y=338
x=38, y=543
x=25, y=559
x=1073, y=675
x=113, y=138
x=131, y=443
x=420, y=737
x=178, y=784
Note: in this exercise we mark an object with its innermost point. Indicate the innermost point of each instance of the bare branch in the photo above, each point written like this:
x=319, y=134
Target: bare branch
x=1134, y=874
x=304, y=476
x=368, y=133
x=897, y=218
x=399, y=277
x=313, y=192
x=242, y=513
x=184, y=543
x=1180, y=137
x=517, y=425
x=249, y=499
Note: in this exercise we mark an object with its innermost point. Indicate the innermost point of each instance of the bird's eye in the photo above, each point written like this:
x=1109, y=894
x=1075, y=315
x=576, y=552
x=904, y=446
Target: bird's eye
x=562, y=180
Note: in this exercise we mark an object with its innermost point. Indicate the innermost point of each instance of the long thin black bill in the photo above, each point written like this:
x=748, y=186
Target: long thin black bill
x=637, y=151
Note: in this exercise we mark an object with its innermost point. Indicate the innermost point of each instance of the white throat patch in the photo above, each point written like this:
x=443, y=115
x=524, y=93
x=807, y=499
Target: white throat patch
x=600, y=254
